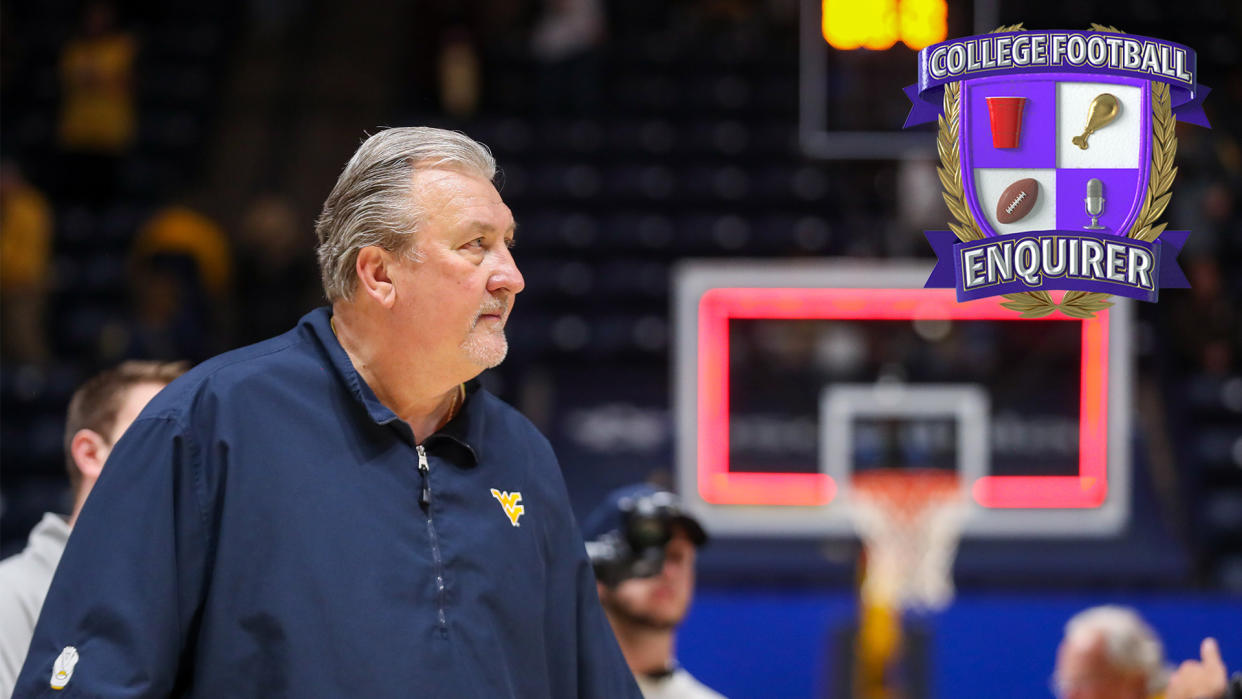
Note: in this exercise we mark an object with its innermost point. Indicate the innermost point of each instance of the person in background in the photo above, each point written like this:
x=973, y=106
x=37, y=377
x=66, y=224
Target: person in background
x=99, y=413
x=460, y=71
x=1205, y=678
x=643, y=545
x=1109, y=652
x=25, y=266
x=180, y=280
x=181, y=227
x=97, y=113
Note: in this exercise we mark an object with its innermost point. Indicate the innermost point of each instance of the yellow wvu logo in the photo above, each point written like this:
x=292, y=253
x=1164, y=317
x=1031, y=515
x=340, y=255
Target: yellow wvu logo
x=510, y=501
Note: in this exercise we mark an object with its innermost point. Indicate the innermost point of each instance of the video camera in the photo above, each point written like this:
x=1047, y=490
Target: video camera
x=635, y=548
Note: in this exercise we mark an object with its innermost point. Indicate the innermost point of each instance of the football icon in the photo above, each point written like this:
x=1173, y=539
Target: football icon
x=1017, y=200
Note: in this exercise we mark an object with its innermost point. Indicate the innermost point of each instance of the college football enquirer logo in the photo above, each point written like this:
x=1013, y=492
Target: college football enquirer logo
x=1056, y=151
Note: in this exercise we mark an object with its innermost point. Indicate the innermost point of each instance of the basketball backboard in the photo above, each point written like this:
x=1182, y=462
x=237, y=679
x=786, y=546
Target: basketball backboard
x=791, y=377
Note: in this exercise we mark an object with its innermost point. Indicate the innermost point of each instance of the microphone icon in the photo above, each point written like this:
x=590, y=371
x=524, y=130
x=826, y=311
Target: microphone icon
x=1095, y=202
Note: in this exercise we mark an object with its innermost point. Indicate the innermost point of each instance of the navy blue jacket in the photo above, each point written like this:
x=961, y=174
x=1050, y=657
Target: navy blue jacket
x=266, y=529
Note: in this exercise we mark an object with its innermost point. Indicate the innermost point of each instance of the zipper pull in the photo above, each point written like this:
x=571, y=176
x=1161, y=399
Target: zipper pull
x=424, y=469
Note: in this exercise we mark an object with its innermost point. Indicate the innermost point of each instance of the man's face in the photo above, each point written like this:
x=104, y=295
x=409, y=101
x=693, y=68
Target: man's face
x=455, y=296
x=660, y=601
x=1085, y=672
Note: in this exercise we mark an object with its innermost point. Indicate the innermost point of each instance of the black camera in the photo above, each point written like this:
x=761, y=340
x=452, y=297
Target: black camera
x=636, y=549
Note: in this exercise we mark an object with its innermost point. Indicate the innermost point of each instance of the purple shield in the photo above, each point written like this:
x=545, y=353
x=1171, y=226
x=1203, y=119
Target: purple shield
x=1114, y=116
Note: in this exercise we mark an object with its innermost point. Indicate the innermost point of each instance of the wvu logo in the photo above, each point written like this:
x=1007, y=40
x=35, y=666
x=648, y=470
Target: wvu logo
x=510, y=501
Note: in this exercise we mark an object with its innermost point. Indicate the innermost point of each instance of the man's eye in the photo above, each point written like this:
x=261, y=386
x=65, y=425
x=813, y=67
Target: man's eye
x=510, y=243
x=476, y=243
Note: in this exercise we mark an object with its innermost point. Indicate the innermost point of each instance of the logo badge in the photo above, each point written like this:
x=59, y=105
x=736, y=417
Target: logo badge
x=1056, y=152
x=511, y=502
x=62, y=669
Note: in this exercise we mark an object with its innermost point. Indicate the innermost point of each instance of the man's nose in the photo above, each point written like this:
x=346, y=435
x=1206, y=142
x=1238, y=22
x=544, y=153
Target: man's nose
x=506, y=276
x=670, y=567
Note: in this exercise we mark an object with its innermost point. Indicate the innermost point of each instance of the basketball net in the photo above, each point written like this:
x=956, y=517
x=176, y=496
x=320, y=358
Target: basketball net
x=910, y=522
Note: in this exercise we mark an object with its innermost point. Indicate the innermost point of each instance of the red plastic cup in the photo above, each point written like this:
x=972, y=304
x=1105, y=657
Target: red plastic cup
x=1006, y=116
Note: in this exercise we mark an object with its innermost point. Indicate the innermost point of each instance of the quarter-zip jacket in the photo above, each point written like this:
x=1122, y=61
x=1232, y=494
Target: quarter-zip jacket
x=267, y=528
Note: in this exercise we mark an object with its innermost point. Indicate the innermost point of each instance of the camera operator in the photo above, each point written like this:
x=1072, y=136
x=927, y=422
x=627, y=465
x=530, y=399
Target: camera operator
x=642, y=546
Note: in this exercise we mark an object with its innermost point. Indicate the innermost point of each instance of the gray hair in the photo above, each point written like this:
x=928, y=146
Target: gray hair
x=373, y=202
x=1130, y=644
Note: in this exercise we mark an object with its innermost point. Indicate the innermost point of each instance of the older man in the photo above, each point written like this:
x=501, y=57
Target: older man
x=1109, y=653
x=341, y=511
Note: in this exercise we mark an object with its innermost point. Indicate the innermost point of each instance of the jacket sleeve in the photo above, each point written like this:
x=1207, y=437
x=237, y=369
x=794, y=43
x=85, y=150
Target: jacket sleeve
x=598, y=669
x=126, y=593
x=602, y=670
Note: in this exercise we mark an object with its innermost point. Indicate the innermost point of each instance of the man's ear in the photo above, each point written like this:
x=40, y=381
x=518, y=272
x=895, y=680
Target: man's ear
x=89, y=450
x=374, y=279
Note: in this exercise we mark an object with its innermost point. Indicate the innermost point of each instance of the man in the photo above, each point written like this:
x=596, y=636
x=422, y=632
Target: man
x=99, y=413
x=25, y=266
x=1109, y=652
x=341, y=511
x=643, y=547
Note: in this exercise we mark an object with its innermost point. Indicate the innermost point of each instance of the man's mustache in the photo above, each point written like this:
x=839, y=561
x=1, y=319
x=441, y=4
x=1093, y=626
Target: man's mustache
x=496, y=307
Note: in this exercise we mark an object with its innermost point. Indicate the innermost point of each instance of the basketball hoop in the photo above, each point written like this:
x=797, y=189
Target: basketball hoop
x=910, y=522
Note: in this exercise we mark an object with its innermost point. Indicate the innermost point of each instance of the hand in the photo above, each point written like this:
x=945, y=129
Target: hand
x=1200, y=679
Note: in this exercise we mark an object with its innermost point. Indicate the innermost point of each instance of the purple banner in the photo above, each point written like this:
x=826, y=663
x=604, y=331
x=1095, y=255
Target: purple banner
x=1057, y=260
x=1089, y=53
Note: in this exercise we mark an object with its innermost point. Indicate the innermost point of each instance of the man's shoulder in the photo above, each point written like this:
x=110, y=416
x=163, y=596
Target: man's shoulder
x=25, y=575
x=284, y=359
x=15, y=569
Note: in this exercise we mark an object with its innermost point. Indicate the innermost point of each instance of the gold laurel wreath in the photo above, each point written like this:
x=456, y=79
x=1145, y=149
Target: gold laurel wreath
x=1076, y=304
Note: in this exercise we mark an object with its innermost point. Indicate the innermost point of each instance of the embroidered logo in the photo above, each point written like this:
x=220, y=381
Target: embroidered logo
x=62, y=669
x=512, y=504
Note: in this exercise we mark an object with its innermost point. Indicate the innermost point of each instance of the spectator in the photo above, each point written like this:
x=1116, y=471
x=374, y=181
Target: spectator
x=181, y=271
x=181, y=229
x=99, y=413
x=97, y=122
x=459, y=70
x=1205, y=678
x=1109, y=653
x=25, y=251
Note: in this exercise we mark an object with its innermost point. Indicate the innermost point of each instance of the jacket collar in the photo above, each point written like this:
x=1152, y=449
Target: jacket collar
x=462, y=436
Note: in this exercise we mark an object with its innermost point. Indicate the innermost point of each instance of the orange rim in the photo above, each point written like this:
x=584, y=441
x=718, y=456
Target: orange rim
x=906, y=492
